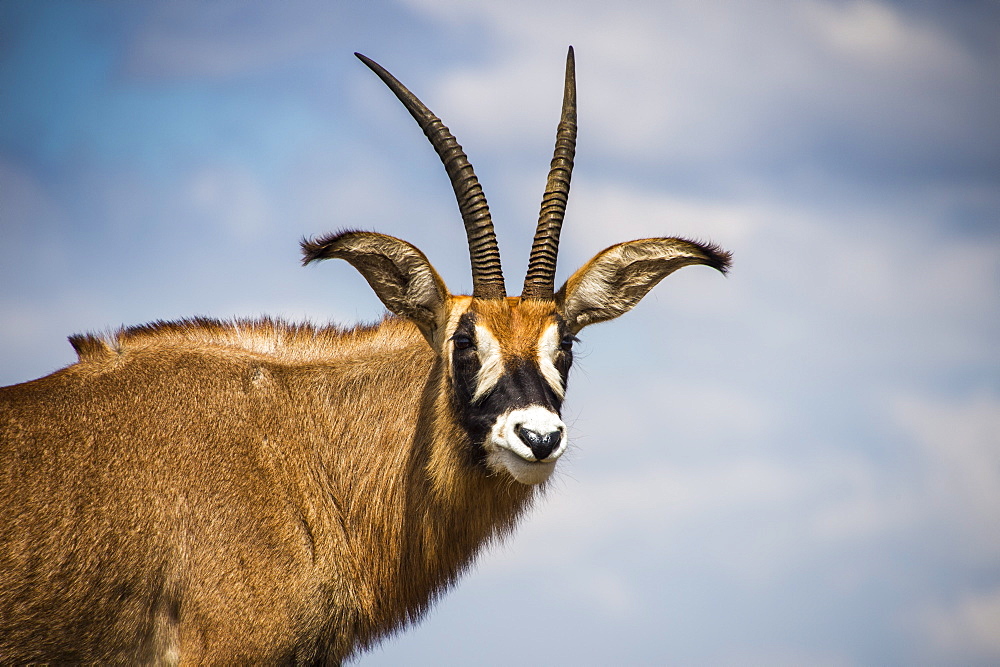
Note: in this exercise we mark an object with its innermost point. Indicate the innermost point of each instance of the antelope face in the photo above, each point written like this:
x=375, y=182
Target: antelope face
x=509, y=361
x=508, y=357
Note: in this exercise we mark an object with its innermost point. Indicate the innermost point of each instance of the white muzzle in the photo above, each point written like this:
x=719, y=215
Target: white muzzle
x=526, y=443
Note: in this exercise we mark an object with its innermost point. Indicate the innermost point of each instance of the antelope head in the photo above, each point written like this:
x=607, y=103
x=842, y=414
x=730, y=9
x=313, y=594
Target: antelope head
x=508, y=357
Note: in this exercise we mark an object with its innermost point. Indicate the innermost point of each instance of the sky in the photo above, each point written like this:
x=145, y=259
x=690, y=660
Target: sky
x=797, y=464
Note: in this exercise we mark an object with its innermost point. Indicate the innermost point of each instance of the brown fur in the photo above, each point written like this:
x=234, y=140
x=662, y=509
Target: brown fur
x=516, y=323
x=220, y=492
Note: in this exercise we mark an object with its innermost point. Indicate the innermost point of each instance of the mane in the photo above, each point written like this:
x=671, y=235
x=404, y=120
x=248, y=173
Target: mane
x=277, y=339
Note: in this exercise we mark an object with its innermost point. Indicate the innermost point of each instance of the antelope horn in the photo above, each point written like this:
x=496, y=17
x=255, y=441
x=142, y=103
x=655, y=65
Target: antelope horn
x=539, y=281
x=487, y=275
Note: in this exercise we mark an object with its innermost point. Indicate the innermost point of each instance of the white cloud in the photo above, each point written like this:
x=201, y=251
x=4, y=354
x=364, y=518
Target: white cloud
x=959, y=443
x=608, y=592
x=663, y=510
x=606, y=212
x=967, y=629
x=878, y=36
x=696, y=83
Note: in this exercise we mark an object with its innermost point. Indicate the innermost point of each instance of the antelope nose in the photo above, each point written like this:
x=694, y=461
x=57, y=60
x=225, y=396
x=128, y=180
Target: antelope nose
x=541, y=444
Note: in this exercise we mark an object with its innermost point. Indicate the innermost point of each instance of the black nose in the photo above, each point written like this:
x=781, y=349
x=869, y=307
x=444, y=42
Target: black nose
x=541, y=444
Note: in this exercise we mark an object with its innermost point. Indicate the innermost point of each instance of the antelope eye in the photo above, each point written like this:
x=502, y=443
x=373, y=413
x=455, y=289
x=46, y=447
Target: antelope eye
x=567, y=342
x=462, y=342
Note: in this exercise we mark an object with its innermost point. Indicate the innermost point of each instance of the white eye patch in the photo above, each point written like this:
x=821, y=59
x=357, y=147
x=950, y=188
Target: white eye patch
x=548, y=348
x=490, y=362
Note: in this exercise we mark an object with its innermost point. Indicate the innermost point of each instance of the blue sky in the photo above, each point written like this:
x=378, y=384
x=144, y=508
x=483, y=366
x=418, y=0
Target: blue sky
x=798, y=464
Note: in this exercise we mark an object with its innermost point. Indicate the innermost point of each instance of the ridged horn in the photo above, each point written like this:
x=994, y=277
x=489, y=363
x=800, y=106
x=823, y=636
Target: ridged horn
x=539, y=281
x=487, y=275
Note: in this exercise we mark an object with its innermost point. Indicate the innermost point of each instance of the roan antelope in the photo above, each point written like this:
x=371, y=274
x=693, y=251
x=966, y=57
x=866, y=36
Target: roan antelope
x=260, y=492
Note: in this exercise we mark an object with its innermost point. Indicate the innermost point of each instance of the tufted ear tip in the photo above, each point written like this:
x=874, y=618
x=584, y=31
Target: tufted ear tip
x=311, y=249
x=713, y=255
x=722, y=260
x=324, y=247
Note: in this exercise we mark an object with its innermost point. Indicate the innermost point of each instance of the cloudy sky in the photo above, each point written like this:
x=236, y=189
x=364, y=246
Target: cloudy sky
x=797, y=464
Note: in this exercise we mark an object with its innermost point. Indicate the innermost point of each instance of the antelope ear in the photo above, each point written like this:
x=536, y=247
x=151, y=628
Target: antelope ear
x=400, y=275
x=618, y=277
